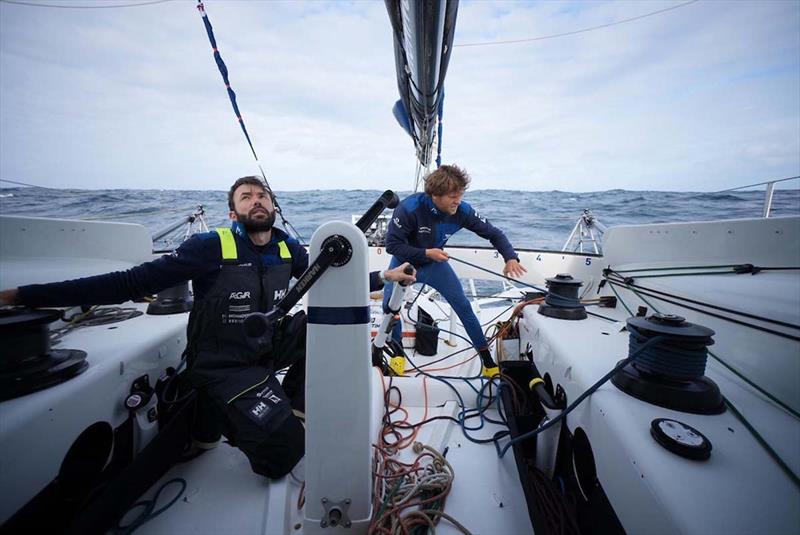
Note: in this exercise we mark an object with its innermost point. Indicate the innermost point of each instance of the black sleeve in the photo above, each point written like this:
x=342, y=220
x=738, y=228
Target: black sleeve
x=193, y=258
x=375, y=281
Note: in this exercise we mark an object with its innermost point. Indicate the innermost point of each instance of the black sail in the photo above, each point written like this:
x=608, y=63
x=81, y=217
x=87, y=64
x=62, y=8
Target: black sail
x=423, y=41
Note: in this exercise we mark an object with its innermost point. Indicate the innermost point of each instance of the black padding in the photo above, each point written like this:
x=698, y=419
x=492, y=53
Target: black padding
x=427, y=342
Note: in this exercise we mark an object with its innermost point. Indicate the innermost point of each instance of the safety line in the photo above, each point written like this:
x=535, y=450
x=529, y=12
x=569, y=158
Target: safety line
x=95, y=6
x=574, y=32
x=623, y=281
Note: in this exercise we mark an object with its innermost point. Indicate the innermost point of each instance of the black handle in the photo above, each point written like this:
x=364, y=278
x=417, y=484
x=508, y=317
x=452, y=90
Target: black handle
x=257, y=324
x=409, y=270
x=388, y=199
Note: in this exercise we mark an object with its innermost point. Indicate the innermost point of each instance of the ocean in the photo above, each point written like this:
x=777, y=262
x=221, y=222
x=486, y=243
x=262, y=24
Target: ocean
x=530, y=219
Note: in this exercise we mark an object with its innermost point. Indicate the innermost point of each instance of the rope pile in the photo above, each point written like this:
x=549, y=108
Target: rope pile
x=409, y=498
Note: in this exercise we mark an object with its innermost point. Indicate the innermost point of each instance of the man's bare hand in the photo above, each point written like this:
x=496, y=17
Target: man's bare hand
x=513, y=268
x=8, y=297
x=437, y=255
x=398, y=275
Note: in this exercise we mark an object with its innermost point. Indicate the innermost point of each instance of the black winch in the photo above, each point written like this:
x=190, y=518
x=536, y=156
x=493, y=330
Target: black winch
x=670, y=373
x=27, y=363
x=562, y=299
x=173, y=300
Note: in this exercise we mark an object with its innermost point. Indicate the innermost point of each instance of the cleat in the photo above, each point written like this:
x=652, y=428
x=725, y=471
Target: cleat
x=490, y=371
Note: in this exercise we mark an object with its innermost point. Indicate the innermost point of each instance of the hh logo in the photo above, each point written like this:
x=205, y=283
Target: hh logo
x=279, y=294
x=240, y=295
x=397, y=222
x=259, y=409
x=424, y=230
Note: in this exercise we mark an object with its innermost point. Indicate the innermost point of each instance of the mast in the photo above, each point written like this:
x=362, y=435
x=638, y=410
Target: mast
x=423, y=41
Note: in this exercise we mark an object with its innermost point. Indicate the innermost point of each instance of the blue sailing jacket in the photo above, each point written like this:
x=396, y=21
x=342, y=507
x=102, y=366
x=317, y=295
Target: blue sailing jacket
x=418, y=225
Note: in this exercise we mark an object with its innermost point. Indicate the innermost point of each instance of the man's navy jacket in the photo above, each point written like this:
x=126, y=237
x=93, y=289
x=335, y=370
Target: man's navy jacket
x=418, y=225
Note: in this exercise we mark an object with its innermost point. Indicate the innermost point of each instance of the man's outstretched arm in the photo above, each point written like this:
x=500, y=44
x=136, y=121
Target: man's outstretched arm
x=481, y=226
x=119, y=286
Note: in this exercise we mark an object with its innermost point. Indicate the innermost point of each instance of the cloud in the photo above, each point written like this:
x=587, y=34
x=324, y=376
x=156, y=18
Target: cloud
x=698, y=98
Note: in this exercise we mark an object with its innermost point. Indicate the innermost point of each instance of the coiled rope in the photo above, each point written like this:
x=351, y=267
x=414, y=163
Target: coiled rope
x=674, y=357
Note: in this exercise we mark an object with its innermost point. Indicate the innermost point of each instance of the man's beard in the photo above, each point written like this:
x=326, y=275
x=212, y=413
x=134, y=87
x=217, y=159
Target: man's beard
x=256, y=225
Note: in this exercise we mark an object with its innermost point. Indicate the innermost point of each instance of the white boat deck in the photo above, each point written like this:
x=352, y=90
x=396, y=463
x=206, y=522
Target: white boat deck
x=740, y=489
x=223, y=495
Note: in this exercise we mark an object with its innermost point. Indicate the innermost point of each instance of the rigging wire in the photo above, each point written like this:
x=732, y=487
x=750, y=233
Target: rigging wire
x=628, y=281
x=223, y=70
x=93, y=6
x=476, y=266
x=743, y=268
x=22, y=183
x=574, y=32
x=706, y=312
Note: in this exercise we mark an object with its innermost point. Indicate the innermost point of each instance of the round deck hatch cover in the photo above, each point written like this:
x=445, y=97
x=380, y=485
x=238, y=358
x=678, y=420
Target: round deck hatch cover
x=681, y=439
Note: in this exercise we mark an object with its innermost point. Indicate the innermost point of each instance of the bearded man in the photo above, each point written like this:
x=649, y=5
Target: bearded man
x=234, y=271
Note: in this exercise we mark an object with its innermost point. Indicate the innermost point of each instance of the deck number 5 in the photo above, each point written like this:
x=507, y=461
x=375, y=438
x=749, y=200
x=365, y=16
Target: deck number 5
x=588, y=261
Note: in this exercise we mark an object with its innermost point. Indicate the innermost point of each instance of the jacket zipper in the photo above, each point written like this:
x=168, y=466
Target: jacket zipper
x=248, y=389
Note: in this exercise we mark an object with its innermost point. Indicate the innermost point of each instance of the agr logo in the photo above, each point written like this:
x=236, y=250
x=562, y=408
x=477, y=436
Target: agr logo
x=240, y=295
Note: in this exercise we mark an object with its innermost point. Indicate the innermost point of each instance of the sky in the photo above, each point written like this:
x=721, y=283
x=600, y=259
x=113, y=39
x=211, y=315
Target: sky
x=700, y=98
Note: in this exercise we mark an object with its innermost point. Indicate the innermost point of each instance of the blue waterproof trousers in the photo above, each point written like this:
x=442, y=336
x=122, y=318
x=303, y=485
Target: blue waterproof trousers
x=440, y=275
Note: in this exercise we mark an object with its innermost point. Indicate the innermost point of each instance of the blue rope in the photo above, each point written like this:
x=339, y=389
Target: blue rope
x=465, y=412
x=223, y=70
x=150, y=512
x=673, y=358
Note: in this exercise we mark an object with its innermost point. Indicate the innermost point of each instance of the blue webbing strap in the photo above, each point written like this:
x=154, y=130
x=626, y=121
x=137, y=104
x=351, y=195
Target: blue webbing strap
x=223, y=70
x=439, y=132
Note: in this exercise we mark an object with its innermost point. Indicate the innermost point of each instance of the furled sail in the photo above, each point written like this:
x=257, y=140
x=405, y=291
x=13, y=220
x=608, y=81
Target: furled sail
x=423, y=40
